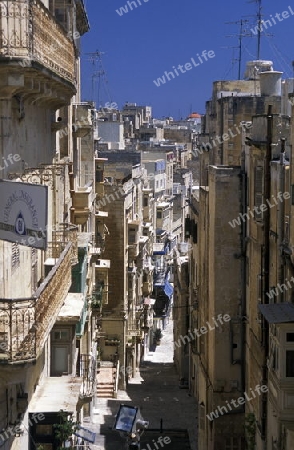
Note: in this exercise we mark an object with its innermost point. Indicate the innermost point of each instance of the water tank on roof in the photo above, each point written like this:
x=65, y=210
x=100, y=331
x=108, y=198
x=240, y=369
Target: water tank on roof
x=254, y=68
x=271, y=83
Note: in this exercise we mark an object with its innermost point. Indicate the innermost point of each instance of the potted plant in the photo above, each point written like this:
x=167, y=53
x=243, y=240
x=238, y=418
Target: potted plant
x=65, y=429
x=157, y=336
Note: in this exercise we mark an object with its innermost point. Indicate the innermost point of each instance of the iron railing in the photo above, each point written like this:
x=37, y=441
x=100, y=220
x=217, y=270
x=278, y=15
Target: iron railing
x=88, y=373
x=26, y=323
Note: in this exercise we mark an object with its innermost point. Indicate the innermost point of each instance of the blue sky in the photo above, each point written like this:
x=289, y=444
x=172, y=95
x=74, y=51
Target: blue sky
x=140, y=45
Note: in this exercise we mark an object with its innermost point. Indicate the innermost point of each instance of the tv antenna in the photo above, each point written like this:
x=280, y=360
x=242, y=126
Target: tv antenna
x=242, y=33
x=259, y=24
x=258, y=27
x=98, y=74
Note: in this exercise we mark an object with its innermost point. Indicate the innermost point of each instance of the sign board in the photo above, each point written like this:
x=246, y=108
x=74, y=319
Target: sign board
x=125, y=418
x=23, y=213
x=85, y=434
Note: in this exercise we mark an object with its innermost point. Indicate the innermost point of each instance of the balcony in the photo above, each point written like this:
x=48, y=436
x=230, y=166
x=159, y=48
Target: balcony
x=25, y=324
x=147, y=287
x=94, y=243
x=82, y=203
x=100, y=290
x=133, y=238
x=40, y=58
x=82, y=119
x=60, y=238
x=134, y=328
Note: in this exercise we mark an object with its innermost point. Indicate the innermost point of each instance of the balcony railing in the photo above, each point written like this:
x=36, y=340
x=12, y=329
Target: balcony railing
x=29, y=32
x=134, y=327
x=25, y=324
x=67, y=233
x=88, y=374
x=95, y=242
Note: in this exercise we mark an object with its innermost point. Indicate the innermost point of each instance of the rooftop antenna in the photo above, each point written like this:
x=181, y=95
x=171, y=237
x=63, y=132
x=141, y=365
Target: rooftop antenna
x=98, y=73
x=259, y=25
x=241, y=35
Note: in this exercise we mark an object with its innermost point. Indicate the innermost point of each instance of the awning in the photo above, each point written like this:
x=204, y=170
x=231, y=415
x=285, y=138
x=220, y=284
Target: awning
x=278, y=312
x=158, y=249
x=168, y=289
x=86, y=435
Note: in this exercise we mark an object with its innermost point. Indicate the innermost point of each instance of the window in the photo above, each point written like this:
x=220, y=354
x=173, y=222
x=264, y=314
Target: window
x=15, y=261
x=276, y=359
x=61, y=335
x=187, y=227
x=99, y=175
x=259, y=287
x=194, y=232
x=159, y=214
x=292, y=194
x=289, y=363
x=258, y=193
x=132, y=235
x=233, y=444
x=34, y=272
x=290, y=337
x=44, y=430
x=145, y=201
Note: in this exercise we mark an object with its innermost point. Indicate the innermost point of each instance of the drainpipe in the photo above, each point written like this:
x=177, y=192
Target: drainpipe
x=266, y=268
x=281, y=215
x=71, y=189
x=222, y=131
x=243, y=246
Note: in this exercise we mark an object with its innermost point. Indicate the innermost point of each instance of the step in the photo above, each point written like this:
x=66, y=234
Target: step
x=105, y=395
x=105, y=392
x=105, y=386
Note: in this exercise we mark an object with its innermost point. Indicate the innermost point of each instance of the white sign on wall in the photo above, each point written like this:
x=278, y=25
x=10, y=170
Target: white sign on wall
x=23, y=213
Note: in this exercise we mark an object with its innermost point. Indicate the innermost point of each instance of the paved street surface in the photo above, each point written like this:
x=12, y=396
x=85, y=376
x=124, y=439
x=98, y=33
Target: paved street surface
x=155, y=390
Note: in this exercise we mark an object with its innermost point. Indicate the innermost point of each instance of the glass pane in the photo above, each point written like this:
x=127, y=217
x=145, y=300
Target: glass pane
x=44, y=430
x=290, y=337
x=290, y=363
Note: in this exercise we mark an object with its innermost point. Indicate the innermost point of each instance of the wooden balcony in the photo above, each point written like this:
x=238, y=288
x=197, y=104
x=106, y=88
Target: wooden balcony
x=147, y=287
x=36, y=55
x=26, y=323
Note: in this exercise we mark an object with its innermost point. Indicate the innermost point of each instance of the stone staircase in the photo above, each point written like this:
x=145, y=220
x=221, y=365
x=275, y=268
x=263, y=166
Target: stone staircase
x=106, y=374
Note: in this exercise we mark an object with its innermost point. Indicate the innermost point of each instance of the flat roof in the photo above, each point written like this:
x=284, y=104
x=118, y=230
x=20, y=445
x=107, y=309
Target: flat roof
x=56, y=393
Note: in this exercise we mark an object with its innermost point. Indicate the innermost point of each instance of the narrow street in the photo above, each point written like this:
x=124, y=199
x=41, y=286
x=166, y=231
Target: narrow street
x=155, y=390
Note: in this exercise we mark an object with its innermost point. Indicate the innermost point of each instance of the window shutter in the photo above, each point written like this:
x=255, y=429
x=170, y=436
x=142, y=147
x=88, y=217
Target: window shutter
x=258, y=192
